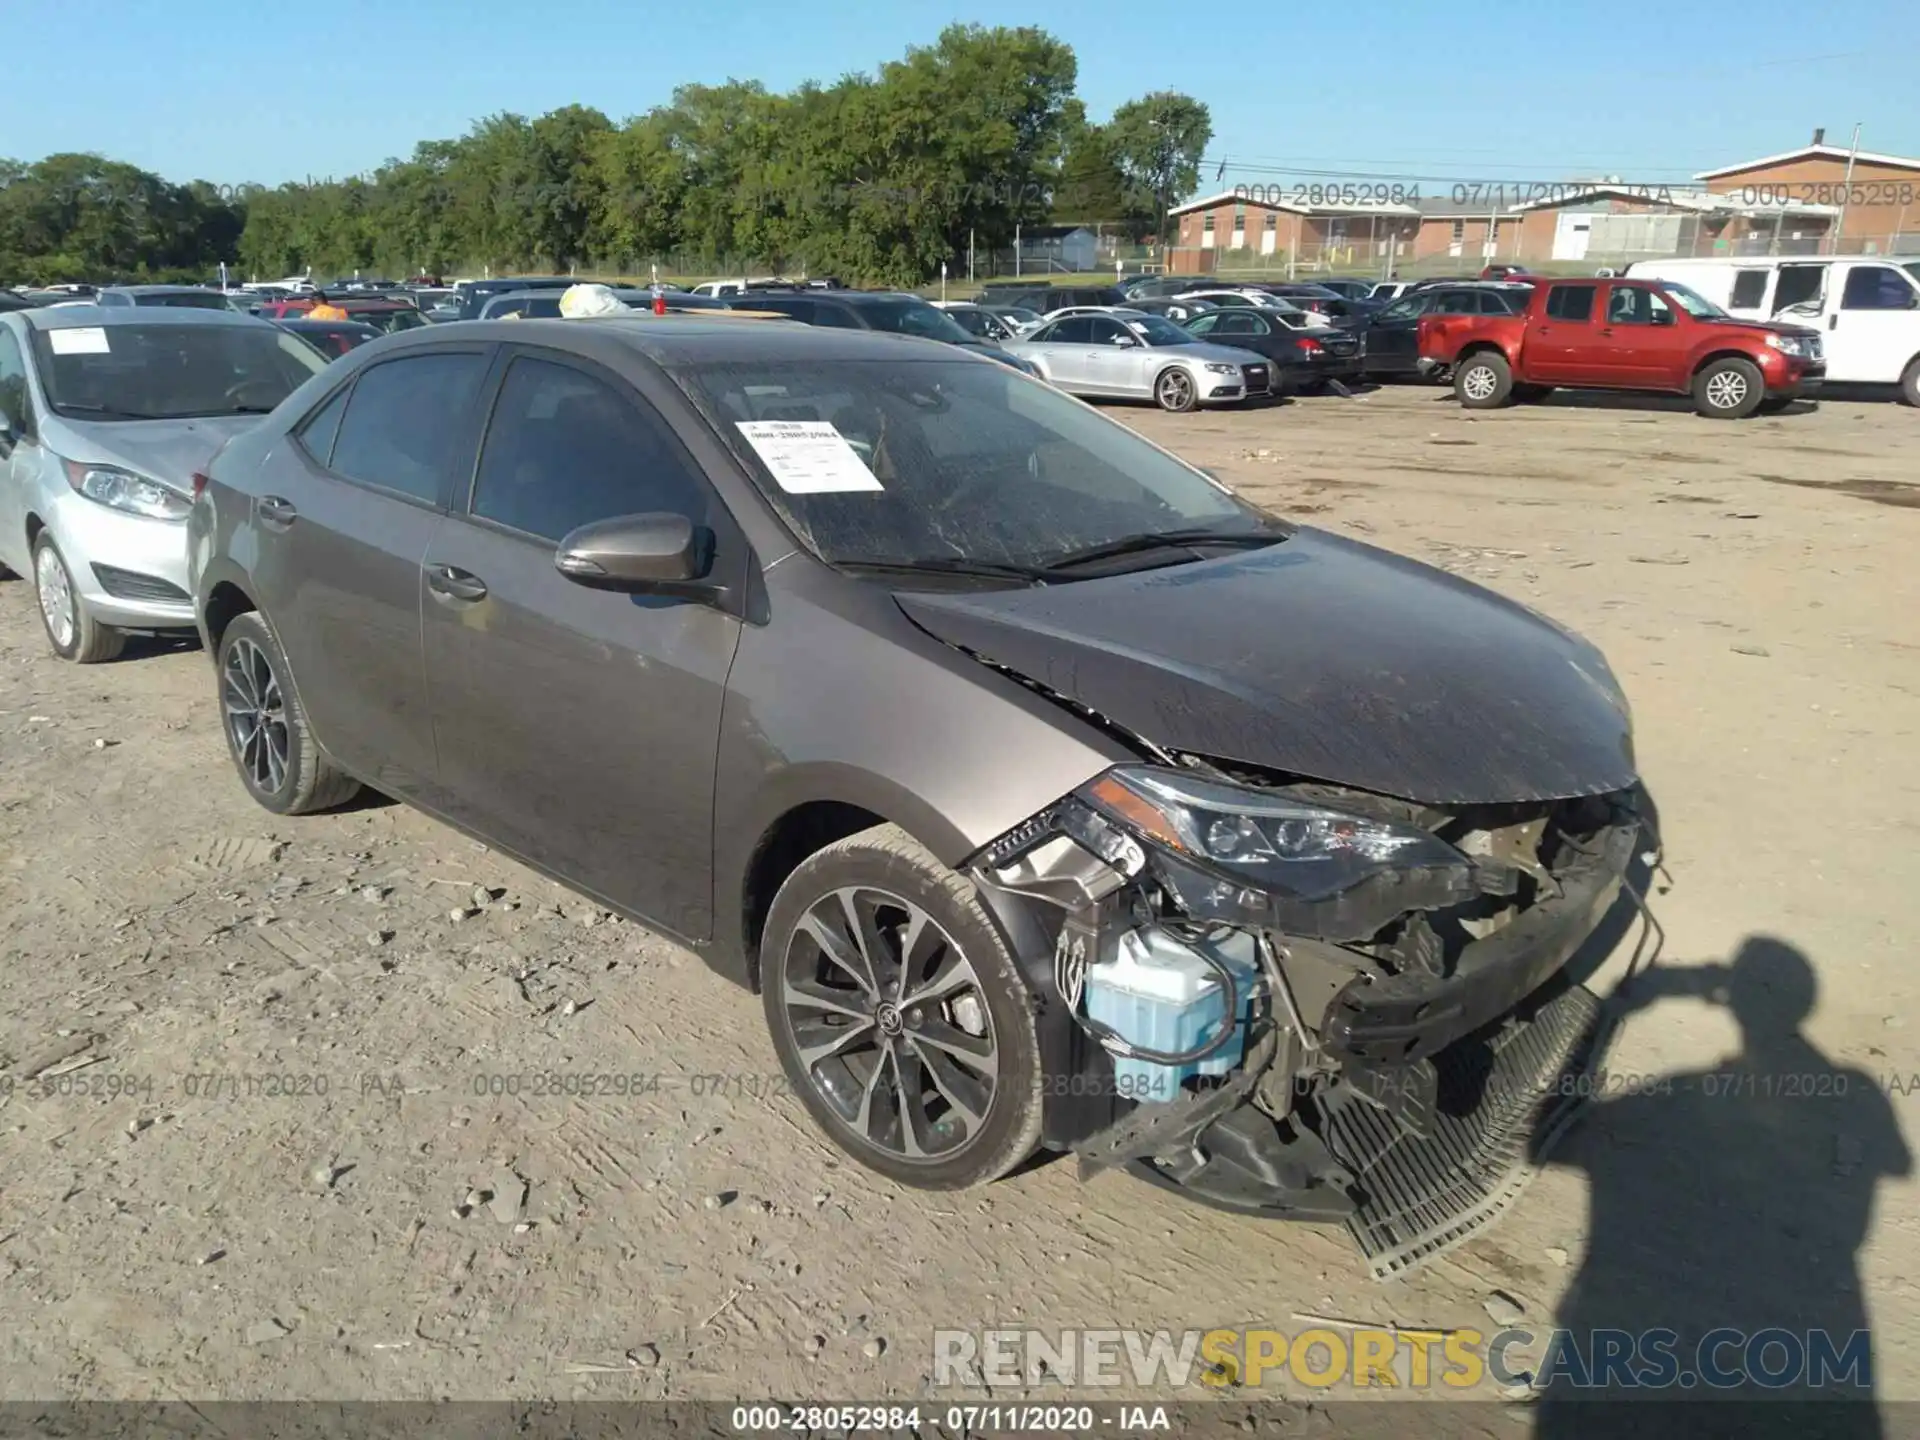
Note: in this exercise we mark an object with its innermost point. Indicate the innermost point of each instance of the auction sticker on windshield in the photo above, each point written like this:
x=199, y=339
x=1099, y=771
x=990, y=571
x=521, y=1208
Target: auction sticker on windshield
x=82, y=340
x=808, y=457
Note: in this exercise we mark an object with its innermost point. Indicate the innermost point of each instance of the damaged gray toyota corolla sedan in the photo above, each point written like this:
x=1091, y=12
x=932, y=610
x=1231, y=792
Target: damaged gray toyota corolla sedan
x=1049, y=794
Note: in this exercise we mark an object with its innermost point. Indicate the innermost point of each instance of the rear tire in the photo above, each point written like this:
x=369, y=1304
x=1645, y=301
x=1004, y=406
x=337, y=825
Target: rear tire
x=1728, y=389
x=266, y=727
x=859, y=1051
x=1483, y=381
x=71, y=629
x=1910, y=382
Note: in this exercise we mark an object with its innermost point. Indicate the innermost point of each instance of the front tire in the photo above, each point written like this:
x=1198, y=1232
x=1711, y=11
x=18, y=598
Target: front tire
x=1728, y=390
x=1910, y=382
x=266, y=728
x=1174, y=390
x=71, y=629
x=1483, y=381
x=900, y=1015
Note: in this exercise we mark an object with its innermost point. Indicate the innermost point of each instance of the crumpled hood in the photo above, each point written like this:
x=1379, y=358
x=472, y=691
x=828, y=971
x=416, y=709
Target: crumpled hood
x=169, y=451
x=1322, y=657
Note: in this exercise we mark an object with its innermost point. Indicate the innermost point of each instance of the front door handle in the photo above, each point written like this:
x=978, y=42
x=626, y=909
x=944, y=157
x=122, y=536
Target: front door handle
x=455, y=584
x=1833, y=322
x=277, y=512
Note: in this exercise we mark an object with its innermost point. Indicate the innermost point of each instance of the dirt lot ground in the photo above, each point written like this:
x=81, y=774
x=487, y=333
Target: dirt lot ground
x=1755, y=587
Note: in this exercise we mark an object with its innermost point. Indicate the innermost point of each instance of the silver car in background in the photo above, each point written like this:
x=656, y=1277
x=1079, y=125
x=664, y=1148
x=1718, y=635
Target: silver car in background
x=106, y=415
x=1124, y=354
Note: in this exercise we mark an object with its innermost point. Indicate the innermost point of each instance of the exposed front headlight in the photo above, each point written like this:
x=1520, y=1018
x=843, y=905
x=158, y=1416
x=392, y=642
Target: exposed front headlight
x=1215, y=367
x=128, y=493
x=1278, y=843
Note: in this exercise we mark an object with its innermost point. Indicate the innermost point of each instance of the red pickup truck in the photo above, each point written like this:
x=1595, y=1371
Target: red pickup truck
x=1623, y=335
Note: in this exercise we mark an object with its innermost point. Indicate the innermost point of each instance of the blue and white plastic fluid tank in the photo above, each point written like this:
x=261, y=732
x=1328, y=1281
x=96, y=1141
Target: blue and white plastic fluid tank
x=1158, y=993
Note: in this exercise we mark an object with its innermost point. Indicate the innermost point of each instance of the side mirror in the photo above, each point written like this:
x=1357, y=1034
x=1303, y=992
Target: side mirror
x=8, y=433
x=1125, y=342
x=660, y=552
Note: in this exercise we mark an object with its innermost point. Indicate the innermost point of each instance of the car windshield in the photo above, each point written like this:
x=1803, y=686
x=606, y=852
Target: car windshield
x=949, y=462
x=170, y=372
x=185, y=299
x=1693, y=302
x=1018, y=314
x=1158, y=330
x=914, y=317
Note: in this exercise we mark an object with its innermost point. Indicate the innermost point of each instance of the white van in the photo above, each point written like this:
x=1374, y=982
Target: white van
x=1867, y=308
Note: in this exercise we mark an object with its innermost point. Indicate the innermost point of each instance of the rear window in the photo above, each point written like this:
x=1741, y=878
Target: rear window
x=1571, y=302
x=186, y=300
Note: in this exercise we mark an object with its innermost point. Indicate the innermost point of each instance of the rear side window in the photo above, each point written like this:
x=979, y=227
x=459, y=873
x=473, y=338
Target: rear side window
x=1460, y=302
x=565, y=448
x=834, y=317
x=1074, y=330
x=1876, y=287
x=1570, y=302
x=1749, y=290
x=406, y=421
x=316, y=436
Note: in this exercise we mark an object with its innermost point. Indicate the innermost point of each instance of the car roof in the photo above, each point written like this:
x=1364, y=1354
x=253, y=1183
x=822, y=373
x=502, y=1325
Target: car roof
x=77, y=317
x=156, y=290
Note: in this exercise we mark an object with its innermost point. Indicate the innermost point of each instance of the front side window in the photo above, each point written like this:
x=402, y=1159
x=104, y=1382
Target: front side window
x=406, y=421
x=1400, y=310
x=565, y=448
x=950, y=461
x=1631, y=305
x=170, y=371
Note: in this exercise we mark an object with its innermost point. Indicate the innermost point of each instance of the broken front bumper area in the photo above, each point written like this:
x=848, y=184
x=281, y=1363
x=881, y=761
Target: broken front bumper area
x=1405, y=1100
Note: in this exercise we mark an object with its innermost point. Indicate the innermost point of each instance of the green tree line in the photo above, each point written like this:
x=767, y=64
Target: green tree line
x=877, y=177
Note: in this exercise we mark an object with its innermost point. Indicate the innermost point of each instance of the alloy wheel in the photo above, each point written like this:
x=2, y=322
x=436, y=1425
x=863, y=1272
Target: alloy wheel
x=1727, y=390
x=256, y=715
x=1480, y=382
x=1176, y=390
x=56, y=597
x=890, y=1023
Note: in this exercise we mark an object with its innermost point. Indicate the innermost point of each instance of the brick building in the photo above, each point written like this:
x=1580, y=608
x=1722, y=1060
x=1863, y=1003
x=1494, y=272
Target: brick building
x=1249, y=224
x=1880, y=201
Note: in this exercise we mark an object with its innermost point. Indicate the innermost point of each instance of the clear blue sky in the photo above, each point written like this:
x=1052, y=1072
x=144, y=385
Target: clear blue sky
x=265, y=91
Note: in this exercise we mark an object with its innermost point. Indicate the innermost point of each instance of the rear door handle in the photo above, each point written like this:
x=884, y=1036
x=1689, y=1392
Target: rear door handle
x=1833, y=322
x=455, y=584
x=276, y=511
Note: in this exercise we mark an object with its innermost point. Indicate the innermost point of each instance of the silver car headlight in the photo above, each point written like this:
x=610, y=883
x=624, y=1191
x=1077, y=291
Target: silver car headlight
x=1218, y=368
x=1274, y=842
x=127, y=492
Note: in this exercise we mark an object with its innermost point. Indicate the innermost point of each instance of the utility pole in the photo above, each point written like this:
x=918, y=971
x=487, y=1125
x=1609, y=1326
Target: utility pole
x=1846, y=185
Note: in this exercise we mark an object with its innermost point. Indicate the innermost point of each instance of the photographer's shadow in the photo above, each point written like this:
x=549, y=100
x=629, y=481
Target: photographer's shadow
x=1734, y=1198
